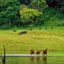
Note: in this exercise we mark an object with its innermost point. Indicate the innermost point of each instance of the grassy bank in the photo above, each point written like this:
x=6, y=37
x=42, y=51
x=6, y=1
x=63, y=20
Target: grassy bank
x=53, y=39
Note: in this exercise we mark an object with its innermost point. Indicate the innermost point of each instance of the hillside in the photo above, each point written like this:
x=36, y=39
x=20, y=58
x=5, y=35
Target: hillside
x=52, y=39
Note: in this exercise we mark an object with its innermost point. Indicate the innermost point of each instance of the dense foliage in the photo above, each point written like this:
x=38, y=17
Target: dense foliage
x=9, y=12
x=26, y=12
x=29, y=15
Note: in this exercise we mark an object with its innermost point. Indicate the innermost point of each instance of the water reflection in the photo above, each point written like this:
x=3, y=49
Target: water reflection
x=38, y=60
x=44, y=59
x=32, y=60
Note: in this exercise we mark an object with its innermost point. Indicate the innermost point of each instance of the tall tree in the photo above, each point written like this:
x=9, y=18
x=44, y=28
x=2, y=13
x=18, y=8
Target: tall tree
x=9, y=10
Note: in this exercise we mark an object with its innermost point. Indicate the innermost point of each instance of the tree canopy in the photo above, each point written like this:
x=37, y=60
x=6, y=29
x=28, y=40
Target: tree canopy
x=15, y=12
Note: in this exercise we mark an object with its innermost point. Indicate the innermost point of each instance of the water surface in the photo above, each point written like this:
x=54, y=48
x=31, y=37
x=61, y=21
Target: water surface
x=34, y=60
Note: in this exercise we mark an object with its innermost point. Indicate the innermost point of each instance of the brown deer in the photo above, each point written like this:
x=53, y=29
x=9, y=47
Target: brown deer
x=44, y=51
x=37, y=51
x=31, y=51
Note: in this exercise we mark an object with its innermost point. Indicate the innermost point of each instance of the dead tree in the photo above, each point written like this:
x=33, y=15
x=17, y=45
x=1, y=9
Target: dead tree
x=4, y=57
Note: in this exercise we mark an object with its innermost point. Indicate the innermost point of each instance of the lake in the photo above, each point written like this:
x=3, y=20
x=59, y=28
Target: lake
x=34, y=60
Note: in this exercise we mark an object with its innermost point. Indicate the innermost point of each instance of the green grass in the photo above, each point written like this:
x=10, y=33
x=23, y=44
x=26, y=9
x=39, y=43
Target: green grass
x=52, y=39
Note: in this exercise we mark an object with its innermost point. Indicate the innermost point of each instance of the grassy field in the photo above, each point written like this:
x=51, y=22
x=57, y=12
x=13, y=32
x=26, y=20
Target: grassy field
x=52, y=39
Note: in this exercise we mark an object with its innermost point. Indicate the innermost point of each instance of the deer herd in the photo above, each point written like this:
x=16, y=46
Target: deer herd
x=44, y=51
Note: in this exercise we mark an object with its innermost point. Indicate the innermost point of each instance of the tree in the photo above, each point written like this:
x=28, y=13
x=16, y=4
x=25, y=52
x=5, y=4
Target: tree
x=38, y=4
x=29, y=15
x=9, y=11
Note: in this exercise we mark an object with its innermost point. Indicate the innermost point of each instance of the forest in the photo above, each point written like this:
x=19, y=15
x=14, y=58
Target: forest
x=22, y=13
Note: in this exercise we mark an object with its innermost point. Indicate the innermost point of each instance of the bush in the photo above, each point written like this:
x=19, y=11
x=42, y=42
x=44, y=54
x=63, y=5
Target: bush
x=29, y=14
